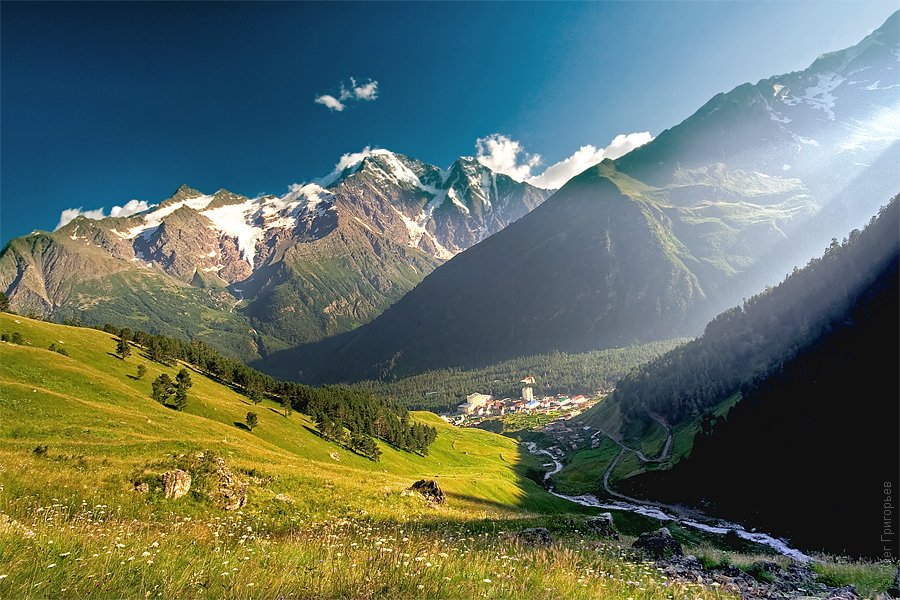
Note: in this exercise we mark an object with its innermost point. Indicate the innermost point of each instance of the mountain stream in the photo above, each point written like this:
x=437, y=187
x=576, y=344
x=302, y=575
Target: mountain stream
x=655, y=511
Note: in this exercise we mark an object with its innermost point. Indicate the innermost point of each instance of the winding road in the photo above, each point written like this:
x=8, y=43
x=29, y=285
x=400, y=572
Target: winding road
x=656, y=509
x=678, y=510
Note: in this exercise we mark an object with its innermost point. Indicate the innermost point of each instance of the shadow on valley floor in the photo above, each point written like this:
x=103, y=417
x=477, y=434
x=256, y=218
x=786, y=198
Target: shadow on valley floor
x=302, y=363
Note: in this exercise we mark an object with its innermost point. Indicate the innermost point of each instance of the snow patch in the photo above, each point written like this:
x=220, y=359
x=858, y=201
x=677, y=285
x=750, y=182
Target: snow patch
x=819, y=96
x=876, y=86
x=451, y=193
x=235, y=220
x=361, y=222
x=417, y=231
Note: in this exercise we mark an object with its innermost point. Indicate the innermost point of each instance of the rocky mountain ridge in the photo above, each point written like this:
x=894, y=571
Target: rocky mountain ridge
x=314, y=262
x=655, y=243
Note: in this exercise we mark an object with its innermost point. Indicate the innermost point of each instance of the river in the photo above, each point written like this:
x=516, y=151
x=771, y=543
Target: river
x=721, y=527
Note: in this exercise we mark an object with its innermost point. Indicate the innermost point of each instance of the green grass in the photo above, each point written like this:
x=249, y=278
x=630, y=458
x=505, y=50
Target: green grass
x=583, y=474
x=869, y=578
x=78, y=432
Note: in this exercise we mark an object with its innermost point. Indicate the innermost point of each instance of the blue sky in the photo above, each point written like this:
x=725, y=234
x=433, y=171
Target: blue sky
x=105, y=103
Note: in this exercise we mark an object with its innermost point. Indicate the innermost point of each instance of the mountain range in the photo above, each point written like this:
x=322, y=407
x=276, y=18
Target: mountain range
x=390, y=266
x=654, y=244
x=249, y=276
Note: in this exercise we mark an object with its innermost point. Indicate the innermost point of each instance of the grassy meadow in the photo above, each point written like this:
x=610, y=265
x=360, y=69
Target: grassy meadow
x=78, y=431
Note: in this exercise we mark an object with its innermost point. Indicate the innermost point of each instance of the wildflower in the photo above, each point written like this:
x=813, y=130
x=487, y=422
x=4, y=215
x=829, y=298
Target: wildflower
x=486, y=580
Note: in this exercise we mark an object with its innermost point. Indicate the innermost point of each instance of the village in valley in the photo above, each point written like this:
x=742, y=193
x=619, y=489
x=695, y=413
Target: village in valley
x=570, y=434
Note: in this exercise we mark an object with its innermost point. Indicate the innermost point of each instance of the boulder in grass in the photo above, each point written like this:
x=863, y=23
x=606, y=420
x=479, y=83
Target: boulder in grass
x=535, y=535
x=429, y=489
x=602, y=525
x=658, y=544
x=230, y=493
x=176, y=483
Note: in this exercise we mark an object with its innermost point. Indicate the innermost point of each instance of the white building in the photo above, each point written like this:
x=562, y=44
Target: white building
x=473, y=403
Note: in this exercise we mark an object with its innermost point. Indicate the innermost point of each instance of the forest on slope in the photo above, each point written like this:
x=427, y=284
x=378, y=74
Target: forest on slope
x=553, y=373
x=811, y=449
x=768, y=329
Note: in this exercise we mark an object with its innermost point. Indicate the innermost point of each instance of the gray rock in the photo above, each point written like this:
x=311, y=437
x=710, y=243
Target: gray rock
x=143, y=488
x=230, y=493
x=603, y=526
x=534, y=535
x=658, y=544
x=176, y=483
x=430, y=490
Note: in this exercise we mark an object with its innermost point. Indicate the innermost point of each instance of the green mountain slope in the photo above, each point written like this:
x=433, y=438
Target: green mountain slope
x=794, y=368
x=91, y=404
x=656, y=243
x=81, y=437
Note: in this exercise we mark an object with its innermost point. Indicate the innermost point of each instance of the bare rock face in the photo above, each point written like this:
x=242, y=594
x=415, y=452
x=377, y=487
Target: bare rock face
x=430, y=490
x=176, y=483
x=229, y=493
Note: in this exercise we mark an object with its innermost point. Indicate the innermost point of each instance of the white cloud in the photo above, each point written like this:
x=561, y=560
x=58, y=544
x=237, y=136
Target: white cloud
x=555, y=176
x=330, y=101
x=131, y=207
x=347, y=160
x=356, y=91
x=366, y=91
x=500, y=154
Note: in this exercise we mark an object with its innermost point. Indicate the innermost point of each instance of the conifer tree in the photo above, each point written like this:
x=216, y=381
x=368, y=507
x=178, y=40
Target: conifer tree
x=122, y=348
x=162, y=388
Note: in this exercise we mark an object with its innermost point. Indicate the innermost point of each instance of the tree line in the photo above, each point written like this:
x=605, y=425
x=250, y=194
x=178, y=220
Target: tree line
x=554, y=373
x=764, y=332
x=814, y=438
x=350, y=417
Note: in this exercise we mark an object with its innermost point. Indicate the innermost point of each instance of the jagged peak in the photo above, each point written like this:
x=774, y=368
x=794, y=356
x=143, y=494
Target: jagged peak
x=184, y=192
x=349, y=164
x=225, y=198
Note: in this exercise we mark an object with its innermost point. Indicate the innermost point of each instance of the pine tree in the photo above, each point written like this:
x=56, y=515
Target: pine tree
x=162, y=388
x=180, y=398
x=141, y=371
x=122, y=348
x=184, y=379
x=252, y=420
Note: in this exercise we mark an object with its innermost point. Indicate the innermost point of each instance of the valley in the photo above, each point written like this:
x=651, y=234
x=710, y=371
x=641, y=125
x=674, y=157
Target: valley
x=660, y=370
x=81, y=437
